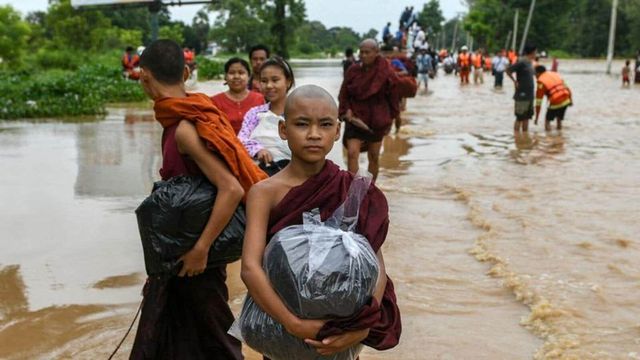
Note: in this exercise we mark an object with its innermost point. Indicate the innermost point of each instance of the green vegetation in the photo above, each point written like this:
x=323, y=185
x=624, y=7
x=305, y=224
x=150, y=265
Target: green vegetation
x=63, y=92
x=579, y=27
x=209, y=68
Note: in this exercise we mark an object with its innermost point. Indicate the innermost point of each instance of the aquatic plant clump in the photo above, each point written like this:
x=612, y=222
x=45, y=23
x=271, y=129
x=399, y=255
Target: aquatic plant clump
x=64, y=93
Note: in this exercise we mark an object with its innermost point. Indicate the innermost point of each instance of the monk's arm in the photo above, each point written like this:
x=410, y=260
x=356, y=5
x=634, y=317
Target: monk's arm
x=381, y=284
x=230, y=193
x=343, y=99
x=252, y=273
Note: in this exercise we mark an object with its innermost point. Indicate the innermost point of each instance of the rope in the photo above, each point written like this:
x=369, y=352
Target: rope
x=128, y=331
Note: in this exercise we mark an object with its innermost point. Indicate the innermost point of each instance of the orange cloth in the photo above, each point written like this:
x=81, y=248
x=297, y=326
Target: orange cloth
x=487, y=63
x=464, y=60
x=129, y=61
x=512, y=56
x=215, y=129
x=551, y=84
x=477, y=61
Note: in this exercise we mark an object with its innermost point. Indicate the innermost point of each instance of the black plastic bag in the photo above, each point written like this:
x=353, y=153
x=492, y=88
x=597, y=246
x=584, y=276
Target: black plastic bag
x=320, y=271
x=171, y=219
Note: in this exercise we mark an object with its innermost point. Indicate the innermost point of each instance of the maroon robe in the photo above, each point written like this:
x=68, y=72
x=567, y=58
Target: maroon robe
x=327, y=191
x=371, y=94
x=188, y=317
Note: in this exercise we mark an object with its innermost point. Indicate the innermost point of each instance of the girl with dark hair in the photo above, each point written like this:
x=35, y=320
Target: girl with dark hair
x=259, y=133
x=236, y=101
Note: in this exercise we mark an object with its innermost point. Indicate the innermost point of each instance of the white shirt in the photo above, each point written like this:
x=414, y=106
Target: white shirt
x=500, y=63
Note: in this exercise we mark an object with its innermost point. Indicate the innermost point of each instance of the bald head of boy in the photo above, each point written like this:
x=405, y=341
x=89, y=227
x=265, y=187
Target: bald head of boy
x=311, y=123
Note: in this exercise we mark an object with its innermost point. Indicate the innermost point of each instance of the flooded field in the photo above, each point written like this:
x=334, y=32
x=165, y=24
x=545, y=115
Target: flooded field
x=501, y=247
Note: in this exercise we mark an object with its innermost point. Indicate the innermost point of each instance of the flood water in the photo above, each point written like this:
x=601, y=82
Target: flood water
x=500, y=247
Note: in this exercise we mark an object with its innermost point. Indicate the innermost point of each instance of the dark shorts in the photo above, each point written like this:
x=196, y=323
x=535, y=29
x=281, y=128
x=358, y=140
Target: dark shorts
x=354, y=132
x=523, y=109
x=553, y=114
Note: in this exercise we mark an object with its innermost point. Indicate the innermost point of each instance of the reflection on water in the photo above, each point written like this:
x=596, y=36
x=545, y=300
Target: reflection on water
x=500, y=246
x=118, y=158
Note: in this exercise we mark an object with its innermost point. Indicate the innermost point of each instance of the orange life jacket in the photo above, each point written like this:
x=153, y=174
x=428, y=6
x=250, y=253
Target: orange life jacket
x=487, y=63
x=557, y=92
x=464, y=60
x=130, y=61
x=477, y=61
x=512, y=57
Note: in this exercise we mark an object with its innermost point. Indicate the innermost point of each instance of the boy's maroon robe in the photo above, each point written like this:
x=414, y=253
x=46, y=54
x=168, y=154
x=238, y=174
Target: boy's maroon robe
x=327, y=191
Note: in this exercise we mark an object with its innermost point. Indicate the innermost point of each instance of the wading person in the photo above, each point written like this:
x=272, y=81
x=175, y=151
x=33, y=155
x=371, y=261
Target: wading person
x=236, y=101
x=259, y=132
x=558, y=96
x=498, y=65
x=187, y=316
x=309, y=182
x=464, y=65
x=369, y=103
x=257, y=55
x=524, y=88
x=478, y=71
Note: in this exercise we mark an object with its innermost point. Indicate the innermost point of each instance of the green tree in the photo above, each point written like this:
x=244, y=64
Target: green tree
x=14, y=33
x=201, y=28
x=371, y=34
x=174, y=32
x=431, y=16
x=76, y=29
x=238, y=25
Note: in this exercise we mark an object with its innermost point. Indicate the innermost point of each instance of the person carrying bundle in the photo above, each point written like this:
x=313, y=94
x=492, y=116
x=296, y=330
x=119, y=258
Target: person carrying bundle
x=311, y=182
x=187, y=316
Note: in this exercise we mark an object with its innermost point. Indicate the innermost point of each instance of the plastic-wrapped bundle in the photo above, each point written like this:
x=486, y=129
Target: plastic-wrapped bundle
x=171, y=219
x=320, y=271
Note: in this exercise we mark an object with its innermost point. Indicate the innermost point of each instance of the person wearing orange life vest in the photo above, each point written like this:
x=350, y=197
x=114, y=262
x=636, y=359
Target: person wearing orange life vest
x=488, y=63
x=477, y=61
x=464, y=65
x=130, y=63
x=513, y=57
x=558, y=96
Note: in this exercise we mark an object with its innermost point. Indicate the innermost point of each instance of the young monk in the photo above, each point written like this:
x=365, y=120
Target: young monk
x=369, y=103
x=187, y=317
x=309, y=182
x=236, y=101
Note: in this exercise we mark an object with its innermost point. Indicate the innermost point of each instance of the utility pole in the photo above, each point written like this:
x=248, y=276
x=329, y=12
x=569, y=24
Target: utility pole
x=506, y=43
x=515, y=31
x=526, y=27
x=612, y=34
x=455, y=35
x=154, y=10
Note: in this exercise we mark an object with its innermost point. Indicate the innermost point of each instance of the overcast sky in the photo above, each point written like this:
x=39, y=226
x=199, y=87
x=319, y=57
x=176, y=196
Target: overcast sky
x=361, y=15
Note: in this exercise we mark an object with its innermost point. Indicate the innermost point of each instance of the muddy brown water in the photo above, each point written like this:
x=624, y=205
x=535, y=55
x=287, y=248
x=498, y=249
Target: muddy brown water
x=500, y=247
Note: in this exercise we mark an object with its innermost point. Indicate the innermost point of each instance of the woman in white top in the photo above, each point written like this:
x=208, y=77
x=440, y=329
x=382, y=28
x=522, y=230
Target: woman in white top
x=259, y=132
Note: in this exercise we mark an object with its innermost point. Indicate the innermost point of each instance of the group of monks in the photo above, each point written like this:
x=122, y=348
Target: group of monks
x=187, y=316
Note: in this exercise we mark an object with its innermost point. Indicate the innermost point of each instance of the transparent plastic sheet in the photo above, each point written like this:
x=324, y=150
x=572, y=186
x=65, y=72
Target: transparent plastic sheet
x=320, y=271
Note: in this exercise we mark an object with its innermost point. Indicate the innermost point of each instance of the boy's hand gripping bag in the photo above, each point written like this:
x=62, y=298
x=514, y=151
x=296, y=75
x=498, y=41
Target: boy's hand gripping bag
x=320, y=271
x=171, y=219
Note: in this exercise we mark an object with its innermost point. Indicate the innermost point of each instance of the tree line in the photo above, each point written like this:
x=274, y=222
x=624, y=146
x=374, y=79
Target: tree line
x=577, y=28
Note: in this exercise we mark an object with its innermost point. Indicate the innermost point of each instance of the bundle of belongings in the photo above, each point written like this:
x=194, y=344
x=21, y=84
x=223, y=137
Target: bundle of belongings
x=320, y=271
x=406, y=71
x=171, y=219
